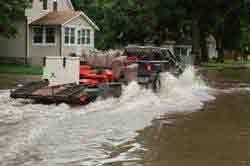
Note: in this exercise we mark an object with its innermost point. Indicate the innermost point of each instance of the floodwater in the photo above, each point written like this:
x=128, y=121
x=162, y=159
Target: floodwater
x=11, y=80
x=190, y=122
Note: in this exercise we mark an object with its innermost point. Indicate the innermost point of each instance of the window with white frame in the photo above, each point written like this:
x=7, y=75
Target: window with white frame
x=78, y=37
x=66, y=35
x=72, y=36
x=50, y=35
x=45, y=4
x=38, y=35
x=83, y=37
x=44, y=35
x=87, y=37
x=184, y=51
x=69, y=35
x=180, y=51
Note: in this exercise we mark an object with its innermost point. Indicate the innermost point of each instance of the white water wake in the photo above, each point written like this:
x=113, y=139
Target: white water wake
x=60, y=135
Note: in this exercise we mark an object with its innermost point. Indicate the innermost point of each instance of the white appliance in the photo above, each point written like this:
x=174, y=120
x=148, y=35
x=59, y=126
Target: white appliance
x=61, y=70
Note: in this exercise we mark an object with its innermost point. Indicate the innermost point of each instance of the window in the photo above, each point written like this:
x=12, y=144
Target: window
x=66, y=35
x=69, y=35
x=88, y=37
x=79, y=37
x=38, y=35
x=45, y=4
x=55, y=6
x=184, y=51
x=44, y=35
x=50, y=35
x=83, y=37
x=180, y=51
x=177, y=51
x=72, y=36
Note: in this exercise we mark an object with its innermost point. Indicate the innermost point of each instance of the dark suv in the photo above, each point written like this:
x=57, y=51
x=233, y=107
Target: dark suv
x=152, y=61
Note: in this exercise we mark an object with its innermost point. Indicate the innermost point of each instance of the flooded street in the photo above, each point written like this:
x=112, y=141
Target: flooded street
x=190, y=122
x=8, y=81
x=217, y=135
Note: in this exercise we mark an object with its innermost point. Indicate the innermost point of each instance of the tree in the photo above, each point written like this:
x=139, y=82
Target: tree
x=245, y=28
x=213, y=17
x=226, y=17
x=10, y=9
x=121, y=22
x=132, y=21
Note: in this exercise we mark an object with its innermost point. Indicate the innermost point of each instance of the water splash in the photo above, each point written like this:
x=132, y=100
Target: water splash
x=60, y=135
x=188, y=91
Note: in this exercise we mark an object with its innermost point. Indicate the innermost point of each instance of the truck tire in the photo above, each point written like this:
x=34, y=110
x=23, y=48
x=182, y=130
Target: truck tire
x=157, y=84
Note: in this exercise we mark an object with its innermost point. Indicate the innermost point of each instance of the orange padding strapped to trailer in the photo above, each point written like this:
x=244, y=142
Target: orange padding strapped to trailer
x=95, y=74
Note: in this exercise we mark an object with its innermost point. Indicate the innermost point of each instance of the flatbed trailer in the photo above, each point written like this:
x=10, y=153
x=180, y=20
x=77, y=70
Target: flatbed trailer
x=68, y=93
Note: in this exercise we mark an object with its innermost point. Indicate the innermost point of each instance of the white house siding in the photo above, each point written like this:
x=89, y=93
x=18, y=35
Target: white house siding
x=186, y=58
x=37, y=10
x=78, y=23
x=170, y=47
x=15, y=48
x=62, y=5
x=37, y=52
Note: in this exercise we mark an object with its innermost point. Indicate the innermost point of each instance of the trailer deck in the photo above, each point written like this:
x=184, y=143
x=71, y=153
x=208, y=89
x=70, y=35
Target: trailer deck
x=68, y=93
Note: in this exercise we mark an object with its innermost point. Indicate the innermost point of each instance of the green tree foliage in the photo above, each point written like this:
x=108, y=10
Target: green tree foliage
x=10, y=9
x=245, y=28
x=121, y=22
x=224, y=14
x=214, y=17
x=133, y=21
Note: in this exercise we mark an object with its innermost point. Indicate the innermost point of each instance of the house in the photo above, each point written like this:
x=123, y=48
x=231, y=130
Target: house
x=181, y=48
x=49, y=28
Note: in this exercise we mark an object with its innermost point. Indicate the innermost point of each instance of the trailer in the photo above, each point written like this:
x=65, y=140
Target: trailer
x=65, y=80
x=73, y=94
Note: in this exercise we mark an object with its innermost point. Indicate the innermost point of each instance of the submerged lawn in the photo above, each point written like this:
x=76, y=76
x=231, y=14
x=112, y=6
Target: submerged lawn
x=9, y=81
x=19, y=69
x=226, y=64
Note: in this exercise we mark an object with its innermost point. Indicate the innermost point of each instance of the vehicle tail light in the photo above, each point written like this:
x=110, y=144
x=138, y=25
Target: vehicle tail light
x=148, y=67
x=82, y=99
x=132, y=58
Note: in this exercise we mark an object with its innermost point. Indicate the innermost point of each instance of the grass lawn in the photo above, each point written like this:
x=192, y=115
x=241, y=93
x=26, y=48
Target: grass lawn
x=19, y=69
x=226, y=64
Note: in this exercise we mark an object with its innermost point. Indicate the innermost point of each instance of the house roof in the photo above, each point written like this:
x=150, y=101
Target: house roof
x=62, y=18
x=56, y=18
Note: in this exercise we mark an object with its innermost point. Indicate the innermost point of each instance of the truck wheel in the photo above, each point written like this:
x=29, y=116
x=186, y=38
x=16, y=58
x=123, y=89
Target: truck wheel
x=157, y=84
